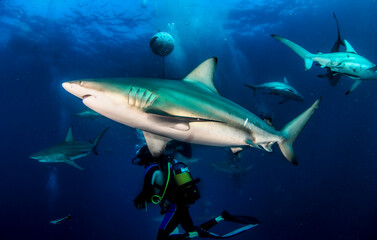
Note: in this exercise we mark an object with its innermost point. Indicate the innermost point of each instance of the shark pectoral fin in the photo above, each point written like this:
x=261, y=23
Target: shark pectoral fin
x=156, y=143
x=181, y=123
x=73, y=164
x=204, y=74
x=69, y=137
x=308, y=63
x=354, y=85
x=349, y=48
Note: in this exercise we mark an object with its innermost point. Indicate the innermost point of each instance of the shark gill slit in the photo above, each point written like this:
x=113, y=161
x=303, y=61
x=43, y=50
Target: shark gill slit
x=152, y=98
x=132, y=97
x=129, y=93
x=141, y=98
x=147, y=94
x=137, y=100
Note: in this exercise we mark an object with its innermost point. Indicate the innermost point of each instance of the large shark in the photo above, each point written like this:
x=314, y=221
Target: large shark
x=68, y=151
x=347, y=63
x=190, y=110
x=282, y=89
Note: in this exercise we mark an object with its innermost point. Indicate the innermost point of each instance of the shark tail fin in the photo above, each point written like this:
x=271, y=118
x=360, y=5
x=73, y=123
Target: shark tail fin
x=252, y=87
x=307, y=56
x=291, y=131
x=96, y=141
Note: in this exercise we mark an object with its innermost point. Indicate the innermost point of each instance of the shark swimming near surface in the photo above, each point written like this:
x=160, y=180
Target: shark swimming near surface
x=282, y=89
x=190, y=111
x=68, y=151
x=347, y=63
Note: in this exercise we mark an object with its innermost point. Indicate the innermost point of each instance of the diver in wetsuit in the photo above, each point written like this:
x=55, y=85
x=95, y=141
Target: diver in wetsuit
x=170, y=185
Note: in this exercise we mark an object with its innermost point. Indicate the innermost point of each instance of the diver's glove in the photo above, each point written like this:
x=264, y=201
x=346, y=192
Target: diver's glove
x=140, y=202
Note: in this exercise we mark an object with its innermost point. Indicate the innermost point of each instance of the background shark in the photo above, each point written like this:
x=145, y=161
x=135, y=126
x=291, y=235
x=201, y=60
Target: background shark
x=278, y=88
x=88, y=114
x=190, y=111
x=347, y=63
x=68, y=151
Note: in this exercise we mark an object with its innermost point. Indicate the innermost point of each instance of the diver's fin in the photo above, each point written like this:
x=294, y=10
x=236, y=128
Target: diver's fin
x=156, y=144
x=349, y=48
x=69, y=137
x=252, y=87
x=204, y=74
x=239, y=219
x=73, y=164
x=291, y=131
x=307, y=56
x=249, y=222
x=96, y=141
x=354, y=85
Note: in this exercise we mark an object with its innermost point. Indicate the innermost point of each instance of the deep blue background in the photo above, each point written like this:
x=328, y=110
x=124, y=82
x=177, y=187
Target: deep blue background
x=331, y=194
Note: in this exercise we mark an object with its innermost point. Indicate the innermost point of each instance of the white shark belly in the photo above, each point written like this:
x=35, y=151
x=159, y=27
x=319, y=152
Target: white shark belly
x=206, y=133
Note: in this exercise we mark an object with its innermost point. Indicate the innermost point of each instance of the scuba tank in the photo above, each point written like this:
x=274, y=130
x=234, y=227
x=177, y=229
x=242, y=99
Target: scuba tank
x=186, y=191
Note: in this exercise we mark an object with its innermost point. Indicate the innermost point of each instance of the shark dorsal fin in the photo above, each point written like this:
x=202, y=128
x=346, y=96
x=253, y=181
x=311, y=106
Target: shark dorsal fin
x=349, y=48
x=69, y=137
x=286, y=81
x=204, y=74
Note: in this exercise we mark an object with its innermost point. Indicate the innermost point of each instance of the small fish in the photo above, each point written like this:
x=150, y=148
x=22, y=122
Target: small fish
x=61, y=220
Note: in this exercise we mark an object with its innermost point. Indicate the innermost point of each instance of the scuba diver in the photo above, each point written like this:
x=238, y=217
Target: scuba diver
x=169, y=184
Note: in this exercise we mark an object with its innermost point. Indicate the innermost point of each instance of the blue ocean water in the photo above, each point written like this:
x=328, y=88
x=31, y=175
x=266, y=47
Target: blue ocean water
x=331, y=194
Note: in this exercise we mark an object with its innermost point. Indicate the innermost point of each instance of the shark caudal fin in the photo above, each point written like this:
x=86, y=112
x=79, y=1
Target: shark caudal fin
x=96, y=141
x=291, y=131
x=307, y=56
x=252, y=87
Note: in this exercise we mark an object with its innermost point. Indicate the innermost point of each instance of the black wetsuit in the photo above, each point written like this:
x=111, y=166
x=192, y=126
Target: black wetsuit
x=175, y=213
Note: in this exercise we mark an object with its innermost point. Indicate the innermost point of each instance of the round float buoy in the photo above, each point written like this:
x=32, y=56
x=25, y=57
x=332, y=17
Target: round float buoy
x=162, y=44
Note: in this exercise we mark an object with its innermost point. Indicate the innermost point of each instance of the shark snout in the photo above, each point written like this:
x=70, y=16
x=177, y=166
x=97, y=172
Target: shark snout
x=76, y=88
x=35, y=156
x=73, y=88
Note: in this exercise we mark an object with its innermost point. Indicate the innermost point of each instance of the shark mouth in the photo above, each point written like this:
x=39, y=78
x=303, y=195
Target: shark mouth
x=86, y=96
